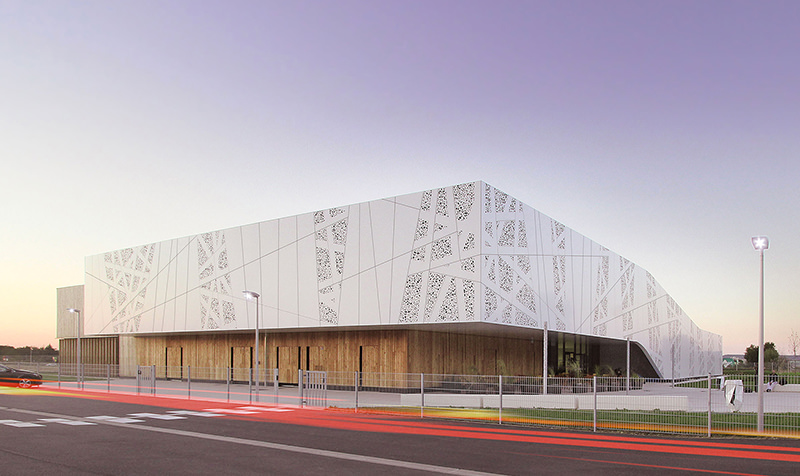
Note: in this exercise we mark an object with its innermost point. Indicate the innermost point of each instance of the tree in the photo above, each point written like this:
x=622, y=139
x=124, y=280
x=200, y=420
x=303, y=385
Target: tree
x=770, y=353
x=751, y=354
x=794, y=343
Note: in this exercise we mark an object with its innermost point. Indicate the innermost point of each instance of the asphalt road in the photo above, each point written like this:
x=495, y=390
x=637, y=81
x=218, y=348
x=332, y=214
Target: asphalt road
x=45, y=432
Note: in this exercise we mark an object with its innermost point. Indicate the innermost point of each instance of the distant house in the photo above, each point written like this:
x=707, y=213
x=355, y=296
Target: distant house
x=729, y=360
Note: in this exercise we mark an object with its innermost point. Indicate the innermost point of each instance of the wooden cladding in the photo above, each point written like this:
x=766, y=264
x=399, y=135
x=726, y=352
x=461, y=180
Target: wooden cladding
x=94, y=350
x=373, y=351
x=470, y=354
x=212, y=353
x=241, y=361
x=174, y=362
x=340, y=351
x=288, y=362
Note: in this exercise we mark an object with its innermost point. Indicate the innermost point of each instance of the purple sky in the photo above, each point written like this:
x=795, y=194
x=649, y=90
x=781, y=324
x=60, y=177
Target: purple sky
x=667, y=131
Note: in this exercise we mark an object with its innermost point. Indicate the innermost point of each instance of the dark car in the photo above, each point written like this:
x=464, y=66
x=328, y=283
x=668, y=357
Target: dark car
x=23, y=378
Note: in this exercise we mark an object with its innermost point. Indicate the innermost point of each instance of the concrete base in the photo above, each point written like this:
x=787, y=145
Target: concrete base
x=792, y=387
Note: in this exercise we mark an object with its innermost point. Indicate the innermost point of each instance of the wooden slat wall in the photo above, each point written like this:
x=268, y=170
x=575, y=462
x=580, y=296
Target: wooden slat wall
x=389, y=351
x=208, y=355
x=127, y=356
x=339, y=351
x=446, y=353
x=287, y=364
x=370, y=358
x=94, y=350
x=315, y=358
x=174, y=362
x=241, y=363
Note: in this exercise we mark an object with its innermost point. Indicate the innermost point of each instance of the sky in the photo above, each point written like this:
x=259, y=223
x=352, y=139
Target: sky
x=668, y=132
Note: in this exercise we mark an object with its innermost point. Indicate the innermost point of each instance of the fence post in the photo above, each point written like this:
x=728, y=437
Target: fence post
x=500, y=410
x=672, y=368
x=250, y=384
x=188, y=382
x=594, y=406
x=276, y=384
x=138, y=379
x=545, y=340
x=153, y=379
x=300, y=386
x=228, y=386
x=355, y=386
x=628, y=368
x=422, y=395
x=59, y=375
x=108, y=378
x=709, y=404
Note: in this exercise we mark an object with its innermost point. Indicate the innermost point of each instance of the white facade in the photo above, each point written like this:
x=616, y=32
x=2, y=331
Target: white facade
x=464, y=253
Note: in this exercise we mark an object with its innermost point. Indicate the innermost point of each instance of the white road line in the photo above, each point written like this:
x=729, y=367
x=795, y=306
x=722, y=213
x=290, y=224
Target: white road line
x=267, y=409
x=193, y=413
x=65, y=421
x=156, y=416
x=19, y=424
x=106, y=418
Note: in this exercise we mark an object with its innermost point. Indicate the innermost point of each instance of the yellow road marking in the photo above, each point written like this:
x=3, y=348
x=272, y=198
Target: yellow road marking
x=25, y=391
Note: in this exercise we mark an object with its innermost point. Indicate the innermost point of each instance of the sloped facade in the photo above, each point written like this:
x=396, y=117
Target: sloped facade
x=458, y=255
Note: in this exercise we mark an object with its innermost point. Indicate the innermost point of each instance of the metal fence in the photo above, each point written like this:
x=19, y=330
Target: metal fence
x=703, y=406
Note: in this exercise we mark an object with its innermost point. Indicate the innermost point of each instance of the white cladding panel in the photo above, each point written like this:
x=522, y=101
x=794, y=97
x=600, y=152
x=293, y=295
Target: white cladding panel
x=463, y=253
x=537, y=271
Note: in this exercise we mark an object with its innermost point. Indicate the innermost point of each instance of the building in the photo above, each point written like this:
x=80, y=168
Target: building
x=457, y=280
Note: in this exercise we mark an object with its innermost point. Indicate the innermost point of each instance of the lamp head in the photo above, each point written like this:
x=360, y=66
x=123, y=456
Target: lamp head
x=251, y=294
x=73, y=310
x=760, y=243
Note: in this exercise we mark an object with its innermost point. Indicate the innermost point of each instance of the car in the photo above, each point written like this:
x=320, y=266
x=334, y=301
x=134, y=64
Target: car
x=22, y=378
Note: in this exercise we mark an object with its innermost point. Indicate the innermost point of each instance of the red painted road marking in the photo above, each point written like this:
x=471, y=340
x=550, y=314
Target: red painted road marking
x=338, y=420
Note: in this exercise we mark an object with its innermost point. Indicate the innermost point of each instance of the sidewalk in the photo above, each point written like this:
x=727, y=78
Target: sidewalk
x=286, y=395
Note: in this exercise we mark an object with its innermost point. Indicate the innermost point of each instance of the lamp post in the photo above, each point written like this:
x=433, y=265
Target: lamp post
x=545, y=341
x=78, y=356
x=761, y=243
x=254, y=295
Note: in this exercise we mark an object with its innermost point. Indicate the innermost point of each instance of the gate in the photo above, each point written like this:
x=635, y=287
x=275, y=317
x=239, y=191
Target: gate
x=146, y=379
x=314, y=388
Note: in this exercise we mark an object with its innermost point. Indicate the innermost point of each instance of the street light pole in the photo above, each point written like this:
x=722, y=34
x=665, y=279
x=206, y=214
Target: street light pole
x=761, y=243
x=545, y=341
x=254, y=295
x=78, y=356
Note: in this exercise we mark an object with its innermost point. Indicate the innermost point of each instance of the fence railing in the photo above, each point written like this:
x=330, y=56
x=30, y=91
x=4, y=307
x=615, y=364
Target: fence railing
x=705, y=405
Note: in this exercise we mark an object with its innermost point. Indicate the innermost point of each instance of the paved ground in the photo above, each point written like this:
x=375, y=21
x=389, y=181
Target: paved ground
x=68, y=433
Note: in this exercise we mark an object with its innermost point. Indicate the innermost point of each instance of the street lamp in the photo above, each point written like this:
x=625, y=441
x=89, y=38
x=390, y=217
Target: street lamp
x=761, y=243
x=254, y=295
x=78, y=356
